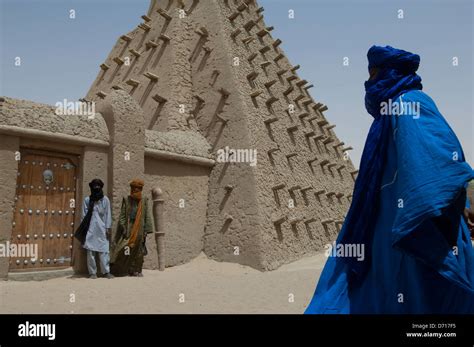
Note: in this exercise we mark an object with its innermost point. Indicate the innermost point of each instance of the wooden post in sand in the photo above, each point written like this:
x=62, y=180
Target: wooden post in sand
x=158, y=212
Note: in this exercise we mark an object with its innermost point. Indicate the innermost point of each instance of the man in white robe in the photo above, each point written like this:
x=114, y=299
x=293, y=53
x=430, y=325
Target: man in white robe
x=98, y=233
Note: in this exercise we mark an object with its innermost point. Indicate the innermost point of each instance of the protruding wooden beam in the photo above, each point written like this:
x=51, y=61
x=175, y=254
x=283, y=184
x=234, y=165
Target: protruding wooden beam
x=233, y=16
x=271, y=100
x=248, y=39
x=317, y=106
x=270, y=83
x=164, y=38
x=101, y=94
x=279, y=186
x=224, y=92
x=273, y=150
x=295, y=220
x=249, y=25
x=133, y=83
x=324, y=162
x=144, y=27
x=301, y=83
x=319, y=192
x=151, y=44
x=263, y=32
x=279, y=220
x=164, y=14
x=135, y=53
x=328, y=140
x=319, y=137
x=264, y=49
x=299, y=97
x=294, y=68
x=252, y=76
x=126, y=38
x=276, y=43
x=271, y=120
x=288, y=90
x=295, y=187
x=235, y=33
x=202, y=32
x=151, y=76
x=303, y=115
x=307, y=102
x=309, y=134
x=252, y=57
x=119, y=61
x=278, y=57
x=243, y=6
x=159, y=99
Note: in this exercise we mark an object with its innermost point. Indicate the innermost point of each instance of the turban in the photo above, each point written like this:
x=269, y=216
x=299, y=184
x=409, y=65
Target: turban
x=393, y=58
x=95, y=182
x=96, y=193
x=397, y=75
x=137, y=183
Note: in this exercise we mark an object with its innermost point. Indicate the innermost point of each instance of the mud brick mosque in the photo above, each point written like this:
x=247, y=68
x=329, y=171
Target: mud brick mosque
x=193, y=78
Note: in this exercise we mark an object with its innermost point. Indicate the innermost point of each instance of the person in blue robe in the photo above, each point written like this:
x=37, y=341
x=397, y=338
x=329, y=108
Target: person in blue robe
x=97, y=213
x=407, y=207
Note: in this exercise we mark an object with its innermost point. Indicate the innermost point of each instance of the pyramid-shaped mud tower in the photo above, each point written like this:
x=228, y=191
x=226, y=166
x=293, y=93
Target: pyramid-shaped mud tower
x=211, y=70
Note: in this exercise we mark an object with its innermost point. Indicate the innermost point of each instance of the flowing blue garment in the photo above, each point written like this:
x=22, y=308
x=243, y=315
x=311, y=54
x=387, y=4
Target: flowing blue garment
x=406, y=211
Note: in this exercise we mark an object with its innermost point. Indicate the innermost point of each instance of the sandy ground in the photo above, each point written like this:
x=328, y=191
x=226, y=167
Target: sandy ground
x=205, y=286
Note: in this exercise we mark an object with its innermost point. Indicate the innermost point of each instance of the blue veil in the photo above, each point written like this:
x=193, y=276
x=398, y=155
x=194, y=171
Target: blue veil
x=397, y=75
x=410, y=247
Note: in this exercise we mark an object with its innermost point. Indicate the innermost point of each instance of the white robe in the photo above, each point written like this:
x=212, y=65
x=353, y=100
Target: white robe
x=96, y=239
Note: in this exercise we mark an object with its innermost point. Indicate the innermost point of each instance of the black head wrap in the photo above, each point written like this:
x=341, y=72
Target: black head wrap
x=96, y=186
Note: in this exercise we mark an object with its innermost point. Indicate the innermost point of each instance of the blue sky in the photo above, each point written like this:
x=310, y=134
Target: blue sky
x=61, y=56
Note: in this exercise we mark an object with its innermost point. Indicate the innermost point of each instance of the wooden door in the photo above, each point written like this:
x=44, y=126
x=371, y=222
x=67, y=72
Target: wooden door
x=45, y=205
